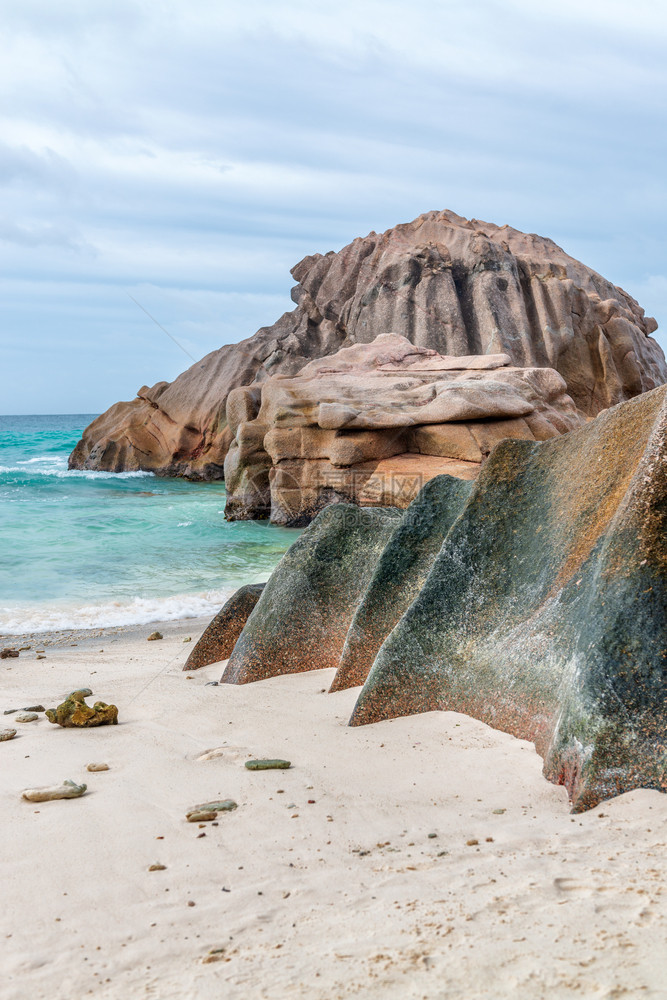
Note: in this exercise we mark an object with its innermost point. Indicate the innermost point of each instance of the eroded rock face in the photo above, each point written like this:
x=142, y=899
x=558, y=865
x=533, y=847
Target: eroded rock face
x=373, y=422
x=457, y=286
x=219, y=638
x=301, y=619
x=543, y=611
x=399, y=575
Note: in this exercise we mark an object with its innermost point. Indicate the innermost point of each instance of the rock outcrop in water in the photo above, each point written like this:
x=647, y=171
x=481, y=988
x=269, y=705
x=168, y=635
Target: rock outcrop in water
x=533, y=599
x=373, y=422
x=459, y=287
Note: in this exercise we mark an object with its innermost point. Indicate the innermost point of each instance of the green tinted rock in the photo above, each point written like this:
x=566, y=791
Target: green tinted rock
x=267, y=765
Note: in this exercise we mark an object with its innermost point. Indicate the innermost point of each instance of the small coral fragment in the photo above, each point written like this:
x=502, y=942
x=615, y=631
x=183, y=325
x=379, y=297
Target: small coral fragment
x=75, y=714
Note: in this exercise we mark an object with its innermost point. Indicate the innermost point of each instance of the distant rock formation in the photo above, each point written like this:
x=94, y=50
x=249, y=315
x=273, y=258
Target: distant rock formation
x=458, y=287
x=373, y=422
x=533, y=599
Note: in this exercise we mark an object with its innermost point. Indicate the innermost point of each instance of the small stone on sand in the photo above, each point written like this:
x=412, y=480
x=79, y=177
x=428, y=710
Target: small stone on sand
x=68, y=790
x=267, y=765
x=206, y=811
x=155, y=635
x=188, y=638
x=6, y=654
x=7, y=734
x=26, y=717
x=200, y=816
x=157, y=868
x=97, y=767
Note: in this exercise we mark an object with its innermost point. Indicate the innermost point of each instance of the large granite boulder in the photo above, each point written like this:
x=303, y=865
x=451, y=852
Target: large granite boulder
x=542, y=614
x=219, y=638
x=302, y=617
x=457, y=286
x=373, y=422
x=399, y=575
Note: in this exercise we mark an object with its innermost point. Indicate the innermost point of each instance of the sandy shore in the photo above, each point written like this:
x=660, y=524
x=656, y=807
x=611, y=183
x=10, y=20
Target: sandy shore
x=418, y=858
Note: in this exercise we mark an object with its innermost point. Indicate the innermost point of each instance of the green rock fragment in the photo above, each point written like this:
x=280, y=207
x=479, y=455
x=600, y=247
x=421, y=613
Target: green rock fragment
x=221, y=805
x=267, y=765
x=80, y=694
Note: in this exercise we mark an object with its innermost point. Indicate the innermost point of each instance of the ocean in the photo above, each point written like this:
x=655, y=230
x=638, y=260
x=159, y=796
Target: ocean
x=92, y=549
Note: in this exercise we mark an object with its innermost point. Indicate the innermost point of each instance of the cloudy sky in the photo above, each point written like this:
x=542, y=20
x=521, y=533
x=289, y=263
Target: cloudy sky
x=190, y=153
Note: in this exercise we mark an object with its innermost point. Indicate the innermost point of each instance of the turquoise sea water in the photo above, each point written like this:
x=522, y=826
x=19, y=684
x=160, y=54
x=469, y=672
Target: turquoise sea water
x=89, y=549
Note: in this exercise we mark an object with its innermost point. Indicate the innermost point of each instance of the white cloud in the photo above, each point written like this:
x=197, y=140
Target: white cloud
x=210, y=146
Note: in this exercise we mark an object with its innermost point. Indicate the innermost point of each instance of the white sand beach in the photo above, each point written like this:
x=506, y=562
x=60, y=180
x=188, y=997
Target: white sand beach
x=424, y=857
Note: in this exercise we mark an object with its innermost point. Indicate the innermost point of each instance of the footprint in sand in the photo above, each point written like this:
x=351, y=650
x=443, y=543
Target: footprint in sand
x=231, y=753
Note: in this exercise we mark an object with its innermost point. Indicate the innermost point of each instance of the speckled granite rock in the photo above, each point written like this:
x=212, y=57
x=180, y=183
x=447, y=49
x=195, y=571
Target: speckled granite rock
x=302, y=617
x=457, y=286
x=399, y=575
x=544, y=613
x=220, y=636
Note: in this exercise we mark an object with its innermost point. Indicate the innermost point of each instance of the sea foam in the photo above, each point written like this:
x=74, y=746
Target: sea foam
x=139, y=611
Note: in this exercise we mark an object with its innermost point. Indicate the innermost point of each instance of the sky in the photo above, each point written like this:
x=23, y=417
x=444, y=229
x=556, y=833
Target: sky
x=188, y=154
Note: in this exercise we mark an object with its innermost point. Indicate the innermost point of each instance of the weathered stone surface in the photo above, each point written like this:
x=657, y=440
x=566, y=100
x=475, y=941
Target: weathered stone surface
x=6, y=654
x=207, y=811
x=97, y=767
x=543, y=613
x=374, y=422
x=220, y=636
x=68, y=790
x=268, y=764
x=200, y=816
x=73, y=713
x=460, y=287
x=302, y=617
x=26, y=717
x=154, y=636
x=399, y=575
x=7, y=734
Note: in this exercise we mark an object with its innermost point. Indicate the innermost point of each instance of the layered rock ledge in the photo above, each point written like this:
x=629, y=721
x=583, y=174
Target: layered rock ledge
x=532, y=599
x=458, y=287
x=372, y=423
